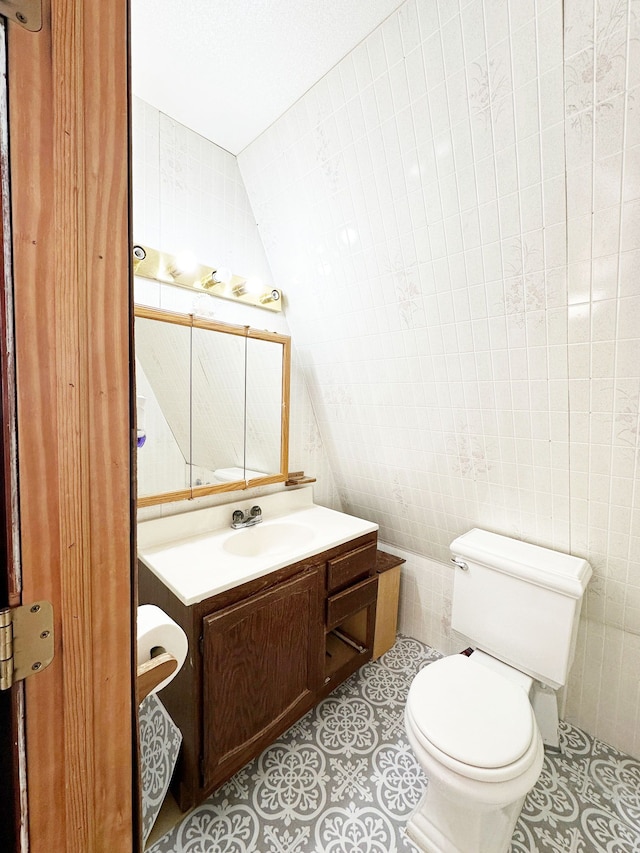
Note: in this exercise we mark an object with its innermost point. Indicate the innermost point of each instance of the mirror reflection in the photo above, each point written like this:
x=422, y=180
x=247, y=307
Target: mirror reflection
x=263, y=405
x=213, y=405
x=217, y=407
x=163, y=390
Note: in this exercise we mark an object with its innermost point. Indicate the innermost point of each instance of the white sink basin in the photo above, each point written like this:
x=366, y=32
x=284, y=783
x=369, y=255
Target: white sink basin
x=269, y=540
x=196, y=554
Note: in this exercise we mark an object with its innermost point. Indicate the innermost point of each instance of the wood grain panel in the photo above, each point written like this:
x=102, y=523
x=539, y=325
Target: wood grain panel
x=351, y=566
x=69, y=130
x=350, y=600
x=258, y=672
x=388, y=570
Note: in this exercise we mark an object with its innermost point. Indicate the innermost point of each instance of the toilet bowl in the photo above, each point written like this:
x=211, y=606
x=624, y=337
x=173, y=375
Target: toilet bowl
x=473, y=731
x=474, y=722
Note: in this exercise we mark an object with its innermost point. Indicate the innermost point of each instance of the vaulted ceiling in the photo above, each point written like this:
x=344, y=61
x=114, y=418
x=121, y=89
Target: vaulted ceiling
x=229, y=68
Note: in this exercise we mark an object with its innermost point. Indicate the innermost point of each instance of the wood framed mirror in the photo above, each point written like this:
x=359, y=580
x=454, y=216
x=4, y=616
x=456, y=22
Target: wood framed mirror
x=213, y=406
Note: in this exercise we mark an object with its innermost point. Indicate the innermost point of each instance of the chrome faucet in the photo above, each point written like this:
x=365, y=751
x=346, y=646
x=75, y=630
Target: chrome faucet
x=239, y=519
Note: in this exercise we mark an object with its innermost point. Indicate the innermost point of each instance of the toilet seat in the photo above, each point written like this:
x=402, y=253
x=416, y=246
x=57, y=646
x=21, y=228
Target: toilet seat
x=473, y=720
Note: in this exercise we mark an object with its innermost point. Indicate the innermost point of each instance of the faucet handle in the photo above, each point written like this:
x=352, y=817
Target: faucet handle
x=237, y=516
x=255, y=511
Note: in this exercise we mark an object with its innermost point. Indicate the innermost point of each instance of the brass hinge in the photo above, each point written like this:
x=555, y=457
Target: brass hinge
x=26, y=641
x=27, y=13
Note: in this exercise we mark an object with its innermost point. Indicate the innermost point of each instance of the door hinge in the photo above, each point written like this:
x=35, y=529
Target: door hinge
x=27, y=13
x=26, y=641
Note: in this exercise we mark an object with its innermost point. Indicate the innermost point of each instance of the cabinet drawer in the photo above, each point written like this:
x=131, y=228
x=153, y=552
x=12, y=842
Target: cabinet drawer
x=343, y=570
x=349, y=601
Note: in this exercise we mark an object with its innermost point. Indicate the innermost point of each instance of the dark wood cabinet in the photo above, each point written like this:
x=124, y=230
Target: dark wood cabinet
x=351, y=589
x=260, y=672
x=261, y=655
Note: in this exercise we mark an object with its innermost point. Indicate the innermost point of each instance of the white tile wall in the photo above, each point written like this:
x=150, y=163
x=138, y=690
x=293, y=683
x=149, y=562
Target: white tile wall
x=427, y=279
x=454, y=211
x=601, y=129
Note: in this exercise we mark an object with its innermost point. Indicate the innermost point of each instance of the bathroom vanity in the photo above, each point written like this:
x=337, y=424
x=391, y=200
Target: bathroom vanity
x=275, y=619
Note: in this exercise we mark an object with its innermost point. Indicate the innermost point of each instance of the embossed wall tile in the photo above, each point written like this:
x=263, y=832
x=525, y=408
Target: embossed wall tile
x=452, y=48
x=526, y=106
x=473, y=30
x=603, y=320
x=551, y=102
x=409, y=26
x=496, y=20
x=579, y=78
x=579, y=244
x=529, y=164
x=433, y=61
x=630, y=239
x=392, y=40
x=503, y=122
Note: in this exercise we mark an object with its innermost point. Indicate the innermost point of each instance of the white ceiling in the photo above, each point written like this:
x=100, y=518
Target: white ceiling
x=229, y=68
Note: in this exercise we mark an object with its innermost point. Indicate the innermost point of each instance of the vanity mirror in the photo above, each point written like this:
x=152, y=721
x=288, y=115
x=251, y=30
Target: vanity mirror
x=213, y=404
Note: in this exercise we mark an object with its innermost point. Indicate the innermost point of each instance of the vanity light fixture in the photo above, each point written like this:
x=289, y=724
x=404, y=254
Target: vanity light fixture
x=183, y=270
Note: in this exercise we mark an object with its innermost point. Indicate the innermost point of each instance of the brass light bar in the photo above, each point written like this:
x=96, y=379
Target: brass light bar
x=161, y=266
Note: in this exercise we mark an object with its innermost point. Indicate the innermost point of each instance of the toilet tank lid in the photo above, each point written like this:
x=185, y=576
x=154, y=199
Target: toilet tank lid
x=533, y=563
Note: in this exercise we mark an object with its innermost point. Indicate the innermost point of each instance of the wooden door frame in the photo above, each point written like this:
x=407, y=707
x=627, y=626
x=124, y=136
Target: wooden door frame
x=70, y=188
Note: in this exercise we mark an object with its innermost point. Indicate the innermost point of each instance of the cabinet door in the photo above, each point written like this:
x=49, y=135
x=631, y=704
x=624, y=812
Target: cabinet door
x=260, y=672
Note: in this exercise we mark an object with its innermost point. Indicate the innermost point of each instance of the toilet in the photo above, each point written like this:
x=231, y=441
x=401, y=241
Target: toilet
x=478, y=722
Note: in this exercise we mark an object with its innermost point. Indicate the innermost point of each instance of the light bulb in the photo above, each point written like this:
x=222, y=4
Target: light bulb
x=184, y=263
x=223, y=275
x=255, y=285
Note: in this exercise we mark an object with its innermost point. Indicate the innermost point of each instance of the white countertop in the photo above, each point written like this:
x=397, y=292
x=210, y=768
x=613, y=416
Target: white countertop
x=195, y=554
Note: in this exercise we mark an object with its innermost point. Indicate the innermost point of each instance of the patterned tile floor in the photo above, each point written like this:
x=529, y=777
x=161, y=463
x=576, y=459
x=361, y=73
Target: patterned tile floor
x=344, y=780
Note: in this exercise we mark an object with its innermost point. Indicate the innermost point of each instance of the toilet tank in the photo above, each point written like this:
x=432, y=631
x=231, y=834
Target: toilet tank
x=519, y=602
